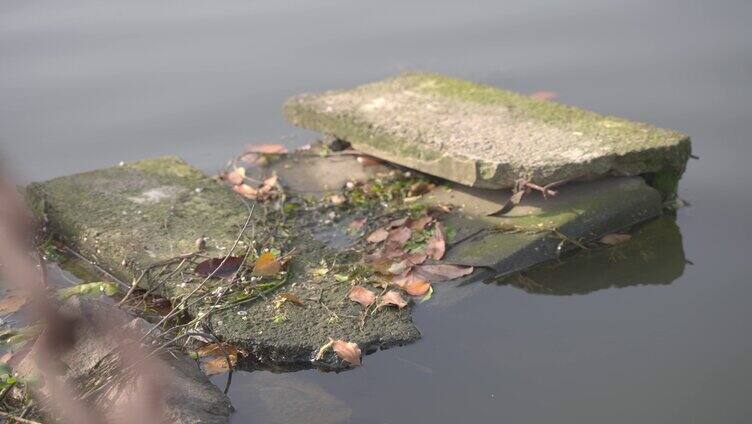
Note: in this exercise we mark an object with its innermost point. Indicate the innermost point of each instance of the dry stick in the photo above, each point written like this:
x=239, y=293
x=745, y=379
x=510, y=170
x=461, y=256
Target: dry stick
x=165, y=262
x=92, y=263
x=179, y=307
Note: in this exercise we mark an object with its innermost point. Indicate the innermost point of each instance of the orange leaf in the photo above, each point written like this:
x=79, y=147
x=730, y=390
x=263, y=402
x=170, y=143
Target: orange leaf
x=237, y=176
x=368, y=161
x=377, y=236
x=417, y=287
x=347, y=351
x=544, y=95
x=11, y=304
x=392, y=298
x=362, y=295
x=265, y=148
x=267, y=265
x=246, y=191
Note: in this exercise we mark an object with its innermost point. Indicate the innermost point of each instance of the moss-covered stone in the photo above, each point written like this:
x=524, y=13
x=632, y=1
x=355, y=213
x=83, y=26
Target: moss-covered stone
x=138, y=217
x=127, y=219
x=483, y=136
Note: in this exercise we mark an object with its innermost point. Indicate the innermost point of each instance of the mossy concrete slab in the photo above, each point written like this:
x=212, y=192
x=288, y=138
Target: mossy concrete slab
x=129, y=218
x=483, y=136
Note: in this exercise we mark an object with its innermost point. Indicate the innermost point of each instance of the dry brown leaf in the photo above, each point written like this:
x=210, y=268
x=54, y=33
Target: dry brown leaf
x=442, y=272
x=357, y=224
x=420, y=188
x=614, y=239
x=337, y=199
x=362, y=295
x=544, y=95
x=420, y=223
x=397, y=222
x=237, y=176
x=392, y=298
x=402, y=280
x=212, y=349
x=416, y=258
x=436, y=245
x=266, y=148
x=219, y=267
x=11, y=304
x=417, y=287
x=399, y=236
x=399, y=268
x=347, y=351
x=378, y=236
x=246, y=191
x=268, y=264
x=286, y=297
x=368, y=161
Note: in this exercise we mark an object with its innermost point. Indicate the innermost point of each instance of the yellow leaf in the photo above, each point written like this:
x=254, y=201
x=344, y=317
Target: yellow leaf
x=267, y=265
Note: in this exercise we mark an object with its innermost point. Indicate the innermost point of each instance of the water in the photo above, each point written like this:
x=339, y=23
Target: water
x=86, y=84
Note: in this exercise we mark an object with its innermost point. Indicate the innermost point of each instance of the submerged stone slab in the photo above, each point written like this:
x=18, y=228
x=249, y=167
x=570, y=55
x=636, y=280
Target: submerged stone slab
x=482, y=136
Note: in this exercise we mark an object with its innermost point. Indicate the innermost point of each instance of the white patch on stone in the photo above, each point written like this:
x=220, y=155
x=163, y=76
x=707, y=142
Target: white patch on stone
x=155, y=195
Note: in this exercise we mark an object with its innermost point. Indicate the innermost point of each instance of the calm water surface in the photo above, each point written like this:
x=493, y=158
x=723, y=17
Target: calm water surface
x=86, y=84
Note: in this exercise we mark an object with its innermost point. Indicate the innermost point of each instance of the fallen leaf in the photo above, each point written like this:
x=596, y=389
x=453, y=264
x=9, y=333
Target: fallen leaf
x=420, y=223
x=416, y=258
x=398, y=268
x=399, y=236
x=544, y=95
x=436, y=245
x=442, y=272
x=246, y=191
x=398, y=222
x=378, y=236
x=614, y=239
x=402, y=280
x=357, y=224
x=217, y=269
x=213, y=357
x=362, y=295
x=286, y=297
x=347, y=351
x=368, y=161
x=237, y=176
x=392, y=298
x=417, y=287
x=267, y=265
x=337, y=199
x=11, y=304
x=271, y=181
x=266, y=148
x=420, y=188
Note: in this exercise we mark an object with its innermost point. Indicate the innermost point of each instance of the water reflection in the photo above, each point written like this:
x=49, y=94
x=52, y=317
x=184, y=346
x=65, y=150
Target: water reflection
x=654, y=255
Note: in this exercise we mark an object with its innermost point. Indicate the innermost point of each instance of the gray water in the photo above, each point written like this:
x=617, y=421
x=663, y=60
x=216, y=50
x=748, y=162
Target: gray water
x=86, y=84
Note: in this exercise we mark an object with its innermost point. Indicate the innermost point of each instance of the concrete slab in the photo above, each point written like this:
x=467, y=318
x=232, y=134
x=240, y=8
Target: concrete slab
x=129, y=218
x=483, y=136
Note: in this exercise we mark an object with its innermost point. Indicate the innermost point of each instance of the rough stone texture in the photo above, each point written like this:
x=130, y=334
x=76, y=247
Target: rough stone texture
x=189, y=396
x=483, y=136
x=150, y=211
x=128, y=218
